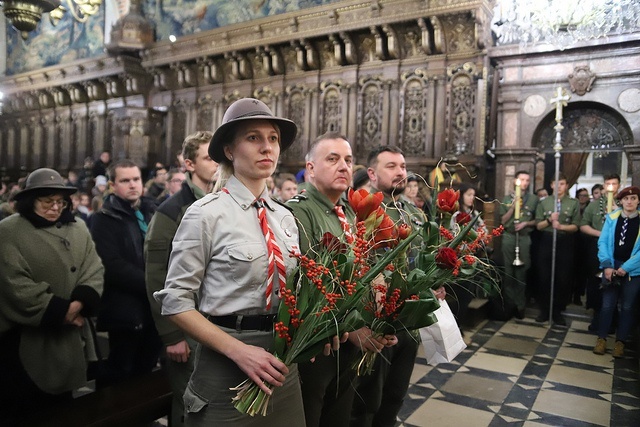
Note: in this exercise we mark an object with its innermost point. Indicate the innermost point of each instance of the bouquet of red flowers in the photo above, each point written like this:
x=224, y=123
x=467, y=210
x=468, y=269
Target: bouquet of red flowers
x=401, y=298
x=326, y=297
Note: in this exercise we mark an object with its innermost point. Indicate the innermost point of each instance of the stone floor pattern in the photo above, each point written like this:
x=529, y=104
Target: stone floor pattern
x=523, y=373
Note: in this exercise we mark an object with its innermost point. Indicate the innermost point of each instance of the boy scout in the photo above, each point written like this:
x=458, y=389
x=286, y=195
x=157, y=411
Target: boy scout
x=565, y=221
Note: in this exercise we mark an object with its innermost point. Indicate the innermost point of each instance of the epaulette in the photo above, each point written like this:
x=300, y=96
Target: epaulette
x=211, y=197
x=298, y=197
x=283, y=204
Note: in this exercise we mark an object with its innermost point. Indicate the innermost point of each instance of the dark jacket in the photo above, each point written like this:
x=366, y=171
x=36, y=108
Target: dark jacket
x=157, y=248
x=120, y=242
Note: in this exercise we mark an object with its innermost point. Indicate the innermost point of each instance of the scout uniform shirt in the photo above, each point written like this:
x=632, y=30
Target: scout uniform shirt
x=403, y=212
x=315, y=216
x=569, y=212
x=219, y=255
x=527, y=212
x=595, y=213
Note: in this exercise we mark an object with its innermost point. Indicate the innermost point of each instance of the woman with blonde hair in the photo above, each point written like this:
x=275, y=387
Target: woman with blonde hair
x=229, y=261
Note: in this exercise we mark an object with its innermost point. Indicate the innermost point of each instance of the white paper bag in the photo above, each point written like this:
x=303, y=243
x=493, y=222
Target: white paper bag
x=442, y=341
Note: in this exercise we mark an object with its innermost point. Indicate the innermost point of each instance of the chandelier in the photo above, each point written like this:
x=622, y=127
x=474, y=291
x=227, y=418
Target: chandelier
x=562, y=23
x=24, y=15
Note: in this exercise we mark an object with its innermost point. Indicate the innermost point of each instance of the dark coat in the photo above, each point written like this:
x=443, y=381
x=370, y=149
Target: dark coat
x=120, y=244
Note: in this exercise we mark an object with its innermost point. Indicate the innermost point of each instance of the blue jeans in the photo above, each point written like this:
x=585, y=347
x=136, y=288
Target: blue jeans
x=627, y=293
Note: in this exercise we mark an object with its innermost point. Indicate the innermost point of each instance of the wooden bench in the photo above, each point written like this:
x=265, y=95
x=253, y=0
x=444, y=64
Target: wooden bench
x=135, y=402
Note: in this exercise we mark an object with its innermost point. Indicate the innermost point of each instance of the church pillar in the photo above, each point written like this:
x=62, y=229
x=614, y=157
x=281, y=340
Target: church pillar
x=510, y=161
x=633, y=154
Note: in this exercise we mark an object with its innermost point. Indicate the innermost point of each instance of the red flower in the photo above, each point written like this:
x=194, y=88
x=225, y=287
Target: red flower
x=446, y=258
x=447, y=200
x=364, y=203
x=386, y=235
x=403, y=231
x=463, y=218
x=333, y=244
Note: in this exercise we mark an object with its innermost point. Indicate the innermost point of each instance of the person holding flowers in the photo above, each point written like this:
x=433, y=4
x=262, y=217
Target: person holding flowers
x=327, y=384
x=380, y=395
x=230, y=258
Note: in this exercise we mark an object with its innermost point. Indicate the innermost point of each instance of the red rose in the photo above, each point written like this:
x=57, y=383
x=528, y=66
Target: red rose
x=447, y=200
x=364, y=203
x=403, y=231
x=446, y=258
x=463, y=218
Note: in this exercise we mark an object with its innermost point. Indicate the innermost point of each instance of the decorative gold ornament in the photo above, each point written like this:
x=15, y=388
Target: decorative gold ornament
x=24, y=15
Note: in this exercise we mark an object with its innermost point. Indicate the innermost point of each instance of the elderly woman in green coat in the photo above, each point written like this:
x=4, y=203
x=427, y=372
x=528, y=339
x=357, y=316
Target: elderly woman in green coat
x=50, y=282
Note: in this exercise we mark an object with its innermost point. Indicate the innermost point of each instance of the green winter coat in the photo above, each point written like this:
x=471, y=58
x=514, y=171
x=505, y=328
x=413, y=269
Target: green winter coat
x=41, y=271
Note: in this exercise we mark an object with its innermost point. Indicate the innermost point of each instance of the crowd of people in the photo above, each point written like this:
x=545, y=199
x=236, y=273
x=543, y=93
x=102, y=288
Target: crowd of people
x=187, y=268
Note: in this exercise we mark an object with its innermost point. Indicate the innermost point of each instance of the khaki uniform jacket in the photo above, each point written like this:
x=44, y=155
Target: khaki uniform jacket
x=595, y=213
x=527, y=213
x=219, y=257
x=315, y=216
x=569, y=212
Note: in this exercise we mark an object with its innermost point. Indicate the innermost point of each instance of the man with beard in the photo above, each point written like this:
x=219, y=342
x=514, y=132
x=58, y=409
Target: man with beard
x=200, y=169
x=327, y=389
x=380, y=395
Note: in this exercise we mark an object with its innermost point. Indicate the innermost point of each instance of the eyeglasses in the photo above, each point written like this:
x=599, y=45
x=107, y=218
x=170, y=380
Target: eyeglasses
x=48, y=203
x=176, y=181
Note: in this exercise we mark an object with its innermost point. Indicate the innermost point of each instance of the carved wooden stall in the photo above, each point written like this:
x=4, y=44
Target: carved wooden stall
x=407, y=72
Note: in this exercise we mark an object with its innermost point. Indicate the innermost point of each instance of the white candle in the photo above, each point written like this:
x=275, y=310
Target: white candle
x=516, y=200
x=609, y=198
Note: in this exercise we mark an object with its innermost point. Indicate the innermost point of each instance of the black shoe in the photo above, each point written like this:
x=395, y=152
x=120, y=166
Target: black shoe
x=577, y=300
x=558, y=319
x=542, y=317
x=520, y=314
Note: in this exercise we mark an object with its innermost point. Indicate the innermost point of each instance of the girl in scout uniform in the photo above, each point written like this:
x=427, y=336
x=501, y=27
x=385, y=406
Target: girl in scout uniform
x=221, y=257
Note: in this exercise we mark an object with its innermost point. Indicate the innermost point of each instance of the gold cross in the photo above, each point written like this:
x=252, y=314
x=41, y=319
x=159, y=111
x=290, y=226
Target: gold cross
x=561, y=101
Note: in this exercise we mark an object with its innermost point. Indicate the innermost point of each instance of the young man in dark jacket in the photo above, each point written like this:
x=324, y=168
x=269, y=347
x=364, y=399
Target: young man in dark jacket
x=157, y=248
x=118, y=230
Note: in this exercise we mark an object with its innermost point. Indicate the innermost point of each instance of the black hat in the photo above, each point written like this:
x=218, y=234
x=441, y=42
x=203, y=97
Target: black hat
x=628, y=191
x=248, y=109
x=45, y=179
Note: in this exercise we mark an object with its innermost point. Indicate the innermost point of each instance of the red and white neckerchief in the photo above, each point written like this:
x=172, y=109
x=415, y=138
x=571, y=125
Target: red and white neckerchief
x=346, y=227
x=274, y=254
x=276, y=262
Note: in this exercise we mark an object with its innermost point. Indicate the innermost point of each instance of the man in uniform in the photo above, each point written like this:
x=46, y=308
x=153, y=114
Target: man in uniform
x=157, y=248
x=380, y=395
x=591, y=226
x=515, y=277
x=327, y=397
x=565, y=221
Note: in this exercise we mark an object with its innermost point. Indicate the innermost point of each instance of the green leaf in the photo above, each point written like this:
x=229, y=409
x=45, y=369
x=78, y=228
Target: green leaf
x=463, y=233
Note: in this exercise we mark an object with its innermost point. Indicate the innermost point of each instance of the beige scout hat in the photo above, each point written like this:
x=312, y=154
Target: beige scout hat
x=248, y=109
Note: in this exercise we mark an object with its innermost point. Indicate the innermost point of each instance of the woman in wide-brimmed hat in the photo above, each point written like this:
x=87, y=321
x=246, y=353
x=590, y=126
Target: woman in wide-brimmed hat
x=221, y=260
x=50, y=281
x=619, y=254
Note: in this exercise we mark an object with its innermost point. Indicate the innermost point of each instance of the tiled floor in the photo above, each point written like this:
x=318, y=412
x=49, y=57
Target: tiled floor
x=523, y=373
